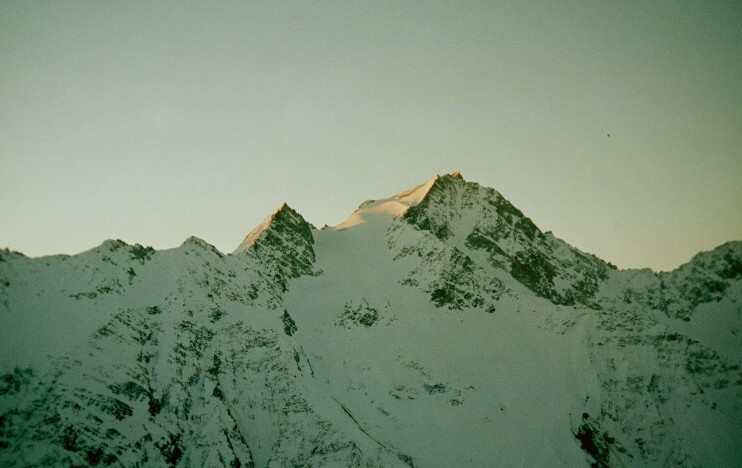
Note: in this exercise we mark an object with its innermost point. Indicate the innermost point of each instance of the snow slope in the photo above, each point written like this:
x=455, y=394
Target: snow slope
x=437, y=327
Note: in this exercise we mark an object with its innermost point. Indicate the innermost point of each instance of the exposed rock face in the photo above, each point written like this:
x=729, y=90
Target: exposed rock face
x=284, y=241
x=475, y=218
x=443, y=334
x=706, y=278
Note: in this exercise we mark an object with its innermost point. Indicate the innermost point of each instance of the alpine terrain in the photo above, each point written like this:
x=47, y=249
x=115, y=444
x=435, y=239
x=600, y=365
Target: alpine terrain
x=439, y=327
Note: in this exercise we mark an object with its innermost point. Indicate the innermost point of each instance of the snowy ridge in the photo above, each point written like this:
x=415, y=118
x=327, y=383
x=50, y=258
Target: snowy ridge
x=437, y=327
x=391, y=207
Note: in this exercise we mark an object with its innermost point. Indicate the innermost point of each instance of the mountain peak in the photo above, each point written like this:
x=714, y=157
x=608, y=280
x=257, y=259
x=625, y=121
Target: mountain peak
x=199, y=243
x=284, y=214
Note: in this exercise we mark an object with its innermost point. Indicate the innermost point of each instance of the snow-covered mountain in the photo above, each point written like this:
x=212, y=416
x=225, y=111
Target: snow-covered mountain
x=437, y=327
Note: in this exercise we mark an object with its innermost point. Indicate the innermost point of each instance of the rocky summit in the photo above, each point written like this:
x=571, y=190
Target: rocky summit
x=438, y=327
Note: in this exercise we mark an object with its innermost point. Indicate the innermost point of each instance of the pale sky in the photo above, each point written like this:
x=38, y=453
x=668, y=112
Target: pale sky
x=153, y=121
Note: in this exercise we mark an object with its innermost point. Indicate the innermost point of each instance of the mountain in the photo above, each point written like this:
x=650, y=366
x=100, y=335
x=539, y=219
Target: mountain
x=436, y=327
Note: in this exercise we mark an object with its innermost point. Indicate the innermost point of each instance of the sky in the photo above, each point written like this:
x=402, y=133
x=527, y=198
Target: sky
x=615, y=125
